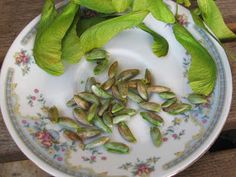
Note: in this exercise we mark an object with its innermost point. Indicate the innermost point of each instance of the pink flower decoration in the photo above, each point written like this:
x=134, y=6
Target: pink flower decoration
x=22, y=53
x=182, y=19
x=24, y=121
x=33, y=98
x=174, y=136
x=59, y=158
x=104, y=158
x=18, y=60
x=93, y=157
x=36, y=91
x=39, y=135
x=25, y=59
x=204, y=121
x=47, y=143
x=164, y=139
x=45, y=138
x=143, y=169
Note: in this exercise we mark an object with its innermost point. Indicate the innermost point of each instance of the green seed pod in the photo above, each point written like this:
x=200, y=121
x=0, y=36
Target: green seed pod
x=100, y=92
x=98, y=142
x=68, y=122
x=81, y=103
x=100, y=124
x=85, y=133
x=108, y=84
x=127, y=74
x=116, y=93
x=167, y=95
x=104, y=107
x=133, y=83
x=126, y=111
x=101, y=67
x=116, y=147
x=123, y=89
x=95, y=55
x=89, y=83
x=197, y=98
x=142, y=90
x=150, y=106
x=148, y=77
x=71, y=103
x=134, y=97
x=126, y=133
x=107, y=119
x=71, y=135
x=168, y=103
x=89, y=97
x=81, y=116
x=120, y=118
x=178, y=108
x=113, y=70
x=92, y=112
x=156, y=136
x=152, y=118
x=157, y=89
x=53, y=114
x=117, y=107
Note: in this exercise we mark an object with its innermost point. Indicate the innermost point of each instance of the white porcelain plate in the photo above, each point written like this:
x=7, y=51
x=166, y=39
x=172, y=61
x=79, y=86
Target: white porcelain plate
x=26, y=91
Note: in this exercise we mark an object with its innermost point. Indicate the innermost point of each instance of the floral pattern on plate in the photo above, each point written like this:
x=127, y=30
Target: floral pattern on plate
x=23, y=59
x=141, y=168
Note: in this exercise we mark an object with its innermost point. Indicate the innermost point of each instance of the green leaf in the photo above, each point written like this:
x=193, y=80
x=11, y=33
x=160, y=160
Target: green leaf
x=160, y=45
x=47, y=47
x=71, y=50
x=202, y=72
x=197, y=19
x=86, y=23
x=160, y=11
x=199, y=22
x=98, y=35
x=96, y=55
x=103, y=6
x=47, y=16
x=214, y=20
x=101, y=67
x=140, y=5
x=121, y=5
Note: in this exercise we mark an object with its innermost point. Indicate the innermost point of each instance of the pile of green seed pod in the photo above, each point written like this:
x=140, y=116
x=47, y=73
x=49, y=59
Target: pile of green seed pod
x=102, y=106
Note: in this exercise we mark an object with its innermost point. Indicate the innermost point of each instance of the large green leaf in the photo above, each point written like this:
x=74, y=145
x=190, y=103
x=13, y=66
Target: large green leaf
x=214, y=20
x=160, y=45
x=140, y=5
x=197, y=19
x=103, y=6
x=98, y=35
x=86, y=23
x=47, y=46
x=47, y=16
x=121, y=5
x=158, y=9
x=161, y=11
x=202, y=72
x=71, y=49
